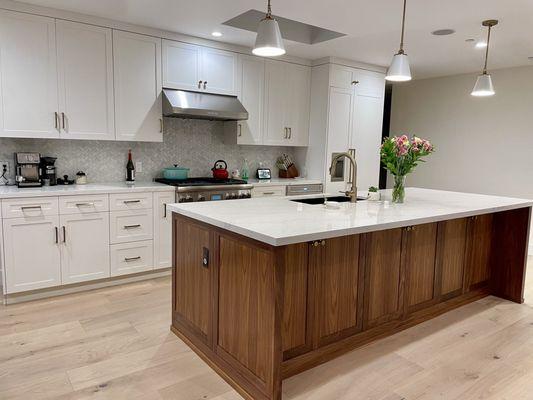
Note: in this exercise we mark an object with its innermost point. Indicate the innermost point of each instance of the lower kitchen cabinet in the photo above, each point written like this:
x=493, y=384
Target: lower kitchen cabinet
x=162, y=230
x=478, y=253
x=31, y=253
x=133, y=257
x=84, y=247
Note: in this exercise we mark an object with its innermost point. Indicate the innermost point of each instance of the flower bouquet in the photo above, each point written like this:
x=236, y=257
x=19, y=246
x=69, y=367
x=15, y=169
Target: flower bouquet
x=400, y=155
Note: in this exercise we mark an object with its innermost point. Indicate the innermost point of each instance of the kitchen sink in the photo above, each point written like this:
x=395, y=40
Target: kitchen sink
x=320, y=200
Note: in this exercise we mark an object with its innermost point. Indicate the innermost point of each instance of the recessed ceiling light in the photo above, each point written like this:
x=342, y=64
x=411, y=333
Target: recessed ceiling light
x=443, y=32
x=216, y=34
x=481, y=45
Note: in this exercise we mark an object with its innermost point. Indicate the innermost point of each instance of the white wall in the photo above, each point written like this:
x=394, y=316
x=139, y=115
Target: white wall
x=483, y=145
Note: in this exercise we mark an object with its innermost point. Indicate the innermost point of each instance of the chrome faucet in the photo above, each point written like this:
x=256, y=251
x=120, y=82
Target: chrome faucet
x=352, y=193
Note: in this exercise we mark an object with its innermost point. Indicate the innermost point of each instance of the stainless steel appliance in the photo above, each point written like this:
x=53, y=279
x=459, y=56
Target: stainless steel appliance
x=208, y=189
x=27, y=169
x=314, y=188
x=48, y=171
x=184, y=104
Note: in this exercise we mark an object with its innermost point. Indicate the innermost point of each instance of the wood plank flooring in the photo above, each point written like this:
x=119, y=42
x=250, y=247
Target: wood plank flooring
x=115, y=343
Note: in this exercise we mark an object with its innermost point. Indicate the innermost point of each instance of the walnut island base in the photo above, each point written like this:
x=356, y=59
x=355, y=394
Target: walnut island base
x=258, y=314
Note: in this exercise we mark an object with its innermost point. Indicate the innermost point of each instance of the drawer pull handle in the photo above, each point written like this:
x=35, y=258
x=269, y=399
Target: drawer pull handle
x=128, y=259
x=30, y=208
x=165, y=210
x=131, y=201
x=268, y=193
x=132, y=226
x=84, y=204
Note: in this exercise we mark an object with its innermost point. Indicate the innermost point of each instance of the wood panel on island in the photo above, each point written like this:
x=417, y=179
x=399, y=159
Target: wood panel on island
x=258, y=314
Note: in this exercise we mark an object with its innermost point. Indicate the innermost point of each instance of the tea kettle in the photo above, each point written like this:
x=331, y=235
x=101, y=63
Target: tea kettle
x=220, y=170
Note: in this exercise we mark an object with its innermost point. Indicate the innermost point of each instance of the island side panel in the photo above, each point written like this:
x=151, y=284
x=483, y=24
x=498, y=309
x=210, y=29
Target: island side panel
x=478, y=253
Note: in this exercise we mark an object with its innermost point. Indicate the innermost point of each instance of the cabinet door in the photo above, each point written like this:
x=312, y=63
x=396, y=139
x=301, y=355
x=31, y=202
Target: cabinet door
x=28, y=73
x=338, y=288
x=84, y=247
x=451, y=246
x=181, y=65
x=252, y=93
x=163, y=230
x=383, y=277
x=276, y=93
x=85, y=62
x=367, y=126
x=297, y=112
x=339, y=124
x=137, y=79
x=419, y=248
x=31, y=253
x=219, y=71
x=478, y=251
x=193, y=280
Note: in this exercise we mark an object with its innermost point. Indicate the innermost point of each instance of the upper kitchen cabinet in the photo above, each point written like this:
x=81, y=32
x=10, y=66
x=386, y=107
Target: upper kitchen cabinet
x=85, y=64
x=251, y=95
x=28, y=74
x=137, y=81
x=287, y=96
x=198, y=68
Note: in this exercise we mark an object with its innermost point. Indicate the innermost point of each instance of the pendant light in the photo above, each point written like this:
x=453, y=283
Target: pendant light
x=483, y=86
x=399, y=70
x=268, y=42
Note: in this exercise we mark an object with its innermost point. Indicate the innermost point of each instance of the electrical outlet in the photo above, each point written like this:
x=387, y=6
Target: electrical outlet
x=139, y=167
x=4, y=164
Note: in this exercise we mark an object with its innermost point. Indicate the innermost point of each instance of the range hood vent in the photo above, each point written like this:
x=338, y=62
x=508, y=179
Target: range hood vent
x=185, y=104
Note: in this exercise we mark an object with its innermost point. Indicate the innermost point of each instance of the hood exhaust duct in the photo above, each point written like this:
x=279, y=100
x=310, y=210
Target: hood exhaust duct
x=185, y=104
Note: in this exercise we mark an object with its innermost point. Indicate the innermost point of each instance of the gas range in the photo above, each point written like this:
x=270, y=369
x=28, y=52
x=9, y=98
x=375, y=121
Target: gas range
x=208, y=189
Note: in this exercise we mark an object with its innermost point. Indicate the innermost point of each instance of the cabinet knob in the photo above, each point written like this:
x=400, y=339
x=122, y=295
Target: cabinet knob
x=355, y=82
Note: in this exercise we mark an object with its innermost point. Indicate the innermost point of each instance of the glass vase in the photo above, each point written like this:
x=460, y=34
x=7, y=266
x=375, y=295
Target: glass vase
x=398, y=191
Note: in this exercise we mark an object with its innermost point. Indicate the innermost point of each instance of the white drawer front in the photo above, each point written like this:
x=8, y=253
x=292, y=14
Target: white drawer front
x=129, y=226
x=128, y=258
x=83, y=204
x=29, y=207
x=268, y=191
x=130, y=201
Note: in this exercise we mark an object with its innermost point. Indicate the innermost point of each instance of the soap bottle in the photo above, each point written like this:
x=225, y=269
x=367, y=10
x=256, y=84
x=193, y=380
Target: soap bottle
x=245, y=170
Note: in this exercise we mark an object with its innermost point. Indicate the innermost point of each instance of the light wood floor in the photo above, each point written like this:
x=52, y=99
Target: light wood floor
x=115, y=344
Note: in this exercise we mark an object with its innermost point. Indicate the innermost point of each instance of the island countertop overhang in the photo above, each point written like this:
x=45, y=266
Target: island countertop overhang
x=280, y=221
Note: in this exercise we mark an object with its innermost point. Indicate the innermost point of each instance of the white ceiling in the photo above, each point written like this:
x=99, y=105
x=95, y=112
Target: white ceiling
x=372, y=26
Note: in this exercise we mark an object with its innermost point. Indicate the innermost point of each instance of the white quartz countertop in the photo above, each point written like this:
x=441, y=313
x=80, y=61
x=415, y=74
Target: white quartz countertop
x=9, y=192
x=279, y=221
x=283, y=181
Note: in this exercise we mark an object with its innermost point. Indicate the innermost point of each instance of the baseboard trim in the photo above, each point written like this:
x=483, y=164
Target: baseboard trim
x=83, y=287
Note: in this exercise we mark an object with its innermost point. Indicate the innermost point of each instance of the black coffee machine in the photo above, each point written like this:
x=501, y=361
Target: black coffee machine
x=48, y=171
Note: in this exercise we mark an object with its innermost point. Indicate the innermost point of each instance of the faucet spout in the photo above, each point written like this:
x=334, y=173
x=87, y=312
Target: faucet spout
x=352, y=193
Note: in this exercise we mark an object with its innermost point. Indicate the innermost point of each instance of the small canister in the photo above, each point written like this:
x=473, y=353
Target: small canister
x=81, y=178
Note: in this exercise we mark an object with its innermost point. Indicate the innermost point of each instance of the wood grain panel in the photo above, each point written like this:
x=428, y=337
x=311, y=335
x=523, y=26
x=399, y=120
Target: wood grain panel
x=451, y=247
x=479, y=250
x=192, y=291
x=294, y=325
x=419, y=258
x=246, y=305
x=337, y=288
x=383, y=286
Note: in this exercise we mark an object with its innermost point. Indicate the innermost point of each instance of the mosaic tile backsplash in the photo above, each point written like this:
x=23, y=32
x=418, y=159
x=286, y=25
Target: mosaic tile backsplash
x=195, y=144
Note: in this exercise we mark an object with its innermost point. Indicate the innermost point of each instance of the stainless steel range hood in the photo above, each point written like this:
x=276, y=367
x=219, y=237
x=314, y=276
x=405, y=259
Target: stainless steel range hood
x=184, y=104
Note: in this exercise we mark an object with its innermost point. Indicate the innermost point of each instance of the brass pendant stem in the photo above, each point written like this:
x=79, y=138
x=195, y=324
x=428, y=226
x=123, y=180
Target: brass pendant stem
x=403, y=26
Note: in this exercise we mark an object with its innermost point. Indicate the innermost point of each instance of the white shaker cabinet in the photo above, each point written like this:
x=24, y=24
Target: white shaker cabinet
x=299, y=102
x=137, y=81
x=31, y=253
x=84, y=247
x=85, y=64
x=198, y=68
x=28, y=76
x=163, y=229
x=251, y=95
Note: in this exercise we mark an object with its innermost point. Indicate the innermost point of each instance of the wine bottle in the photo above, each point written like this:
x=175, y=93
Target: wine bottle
x=130, y=169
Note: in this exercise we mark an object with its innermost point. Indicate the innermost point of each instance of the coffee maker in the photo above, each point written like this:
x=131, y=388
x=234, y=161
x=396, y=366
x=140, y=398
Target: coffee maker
x=48, y=171
x=27, y=169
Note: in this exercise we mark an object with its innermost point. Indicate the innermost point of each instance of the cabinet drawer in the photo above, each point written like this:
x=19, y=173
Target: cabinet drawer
x=129, y=226
x=130, y=201
x=268, y=191
x=29, y=207
x=128, y=258
x=83, y=204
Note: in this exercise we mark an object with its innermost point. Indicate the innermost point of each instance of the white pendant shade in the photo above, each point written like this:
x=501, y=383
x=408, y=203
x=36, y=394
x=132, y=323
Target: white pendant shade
x=399, y=70
x=483, y=86
x=269, y=42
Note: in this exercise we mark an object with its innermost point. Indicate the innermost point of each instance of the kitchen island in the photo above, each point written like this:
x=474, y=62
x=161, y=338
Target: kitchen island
x=264, y=289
